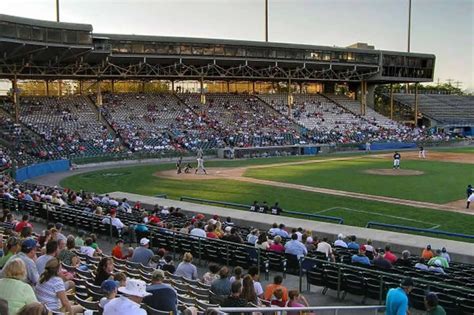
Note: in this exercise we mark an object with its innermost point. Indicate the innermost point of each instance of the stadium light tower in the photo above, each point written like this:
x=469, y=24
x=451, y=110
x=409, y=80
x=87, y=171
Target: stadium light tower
x=266, y=20
x=57, y=10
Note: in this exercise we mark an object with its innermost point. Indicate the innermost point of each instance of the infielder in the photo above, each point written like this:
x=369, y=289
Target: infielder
x=200, y=166
x=469, y=200
x=470, y=195
x=421, y=153
x=396, y=160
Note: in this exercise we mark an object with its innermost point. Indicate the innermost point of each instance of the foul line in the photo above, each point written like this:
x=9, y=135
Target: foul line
x=379, y=214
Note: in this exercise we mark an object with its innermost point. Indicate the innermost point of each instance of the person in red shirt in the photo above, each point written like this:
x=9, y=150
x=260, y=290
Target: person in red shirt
x=23, y=223
x=153, y=219
x=117, y=250
x=210, y=232
x=276, y=246
x=389, y=255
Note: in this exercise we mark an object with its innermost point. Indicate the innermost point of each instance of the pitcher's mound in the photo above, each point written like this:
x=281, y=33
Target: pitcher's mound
x=392, y=172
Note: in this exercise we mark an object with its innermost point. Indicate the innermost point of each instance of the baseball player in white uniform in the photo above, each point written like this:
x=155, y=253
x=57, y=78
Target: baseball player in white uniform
x=200, y=166
x=422, y=153
x=469, y=200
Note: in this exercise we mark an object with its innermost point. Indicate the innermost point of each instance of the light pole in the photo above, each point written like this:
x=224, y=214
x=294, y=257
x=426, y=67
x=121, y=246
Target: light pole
x=266, y=20
x=57, y=10
x=409, y=23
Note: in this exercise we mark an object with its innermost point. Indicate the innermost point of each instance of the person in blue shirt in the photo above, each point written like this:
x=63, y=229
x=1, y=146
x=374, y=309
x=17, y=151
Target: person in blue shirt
x=281, y=231
x=361, y=258
x=353, y=244
x=295, y=247
x=397, y=298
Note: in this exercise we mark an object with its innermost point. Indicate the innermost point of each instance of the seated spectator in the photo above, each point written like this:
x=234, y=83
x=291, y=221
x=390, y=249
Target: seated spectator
x=389, y=255
x=295, y=247
x=238, y=271
x=361, y=258
x=198, y=231
x=404, y=260
x=249, y=290
x=121, y=278
x=12, y=247
x=109, y=287
x=211, y=275
x=277, y=299
x=296, y=300
x=276, y=285
x=262, y=242
x=186, y=269
x=104, y=270
x=444, y=253
x=427, y=253
x=164, y=298
x=432, y=306
x=87, y=249
x=210, y=232
x=282, y=232
x=325, y=247
x=51, y=252
x=253, y=272
x=273, y=229
x=369, y=249
x=129, y=302
x=438, y=257
x=263, y=208
x=380, y=262
x=168, y=266
x=234, y=237
x=67, y=255
x=13, y=289
x=34, y=308
x=235, y=299
x=79, y=240
x=437, y=267
x=117, y=250
x=28, y=255
x=142, y=254
x=252, y=237
x=114, y=221
x=25, y=222
x=221, y=286
x=276, y=245
x=340, y=241
x=352, y=243
x=51, y=290
x=421, y=264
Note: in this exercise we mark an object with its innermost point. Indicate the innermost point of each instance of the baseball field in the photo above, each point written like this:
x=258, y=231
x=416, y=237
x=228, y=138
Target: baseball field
x=425, y=193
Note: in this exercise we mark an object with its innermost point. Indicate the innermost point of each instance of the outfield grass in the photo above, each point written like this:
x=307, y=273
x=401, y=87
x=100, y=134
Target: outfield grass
x=456, y=149
x=355, y=212
x=441, y=182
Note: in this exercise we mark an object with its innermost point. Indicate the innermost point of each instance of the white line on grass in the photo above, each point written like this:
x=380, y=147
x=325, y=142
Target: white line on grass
x=379, y=214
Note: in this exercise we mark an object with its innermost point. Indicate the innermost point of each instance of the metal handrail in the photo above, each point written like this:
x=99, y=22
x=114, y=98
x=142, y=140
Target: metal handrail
x=226, y=310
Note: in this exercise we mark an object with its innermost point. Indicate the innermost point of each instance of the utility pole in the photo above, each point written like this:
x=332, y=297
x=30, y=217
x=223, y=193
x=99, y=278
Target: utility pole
x=57, y=10
x=457, y=84
x=450, y=81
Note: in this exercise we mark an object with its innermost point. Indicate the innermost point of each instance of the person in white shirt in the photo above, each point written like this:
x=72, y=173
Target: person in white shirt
x=198, y=230
x=129, y=303
x=340, y=241
x=112, y=219
x=87, y=249
x=325, y=247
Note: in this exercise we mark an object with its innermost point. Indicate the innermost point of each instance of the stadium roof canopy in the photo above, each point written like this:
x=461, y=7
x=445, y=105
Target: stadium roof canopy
x=35, y=49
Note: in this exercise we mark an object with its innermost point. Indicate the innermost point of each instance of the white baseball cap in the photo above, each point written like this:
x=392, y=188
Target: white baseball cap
x=144, y=241
x=135, y=287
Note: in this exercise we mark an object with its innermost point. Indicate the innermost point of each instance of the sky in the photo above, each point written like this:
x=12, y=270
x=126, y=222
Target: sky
x=441, y=27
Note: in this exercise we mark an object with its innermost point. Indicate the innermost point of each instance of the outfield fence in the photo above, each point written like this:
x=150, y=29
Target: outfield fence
x=311, y=216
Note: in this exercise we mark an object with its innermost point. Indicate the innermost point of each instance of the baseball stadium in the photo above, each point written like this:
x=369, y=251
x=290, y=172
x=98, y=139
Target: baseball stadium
x=329, y=178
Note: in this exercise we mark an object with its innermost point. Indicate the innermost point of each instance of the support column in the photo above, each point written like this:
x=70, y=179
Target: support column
x=201, y=85
x=228, y=87
x=142, y=87
x=47, y=88
x=112, y=86
x=172, y=86
x=99, y=95
x=416, y=105
x=15, y=99
x=301, y=87
x=60, y=88
x=370, y=92
x=80, y=87
x=253, y=87
x=290, y=99
x=391, y=101
x=329, y=87
x=361, y=101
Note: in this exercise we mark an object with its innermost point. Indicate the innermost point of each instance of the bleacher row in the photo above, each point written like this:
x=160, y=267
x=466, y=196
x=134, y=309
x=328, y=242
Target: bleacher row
x=448, y=109
x=53, y=128
x=455, y=288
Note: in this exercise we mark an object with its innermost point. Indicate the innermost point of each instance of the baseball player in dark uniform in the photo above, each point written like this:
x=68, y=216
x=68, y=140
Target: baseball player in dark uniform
x=396, y=160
